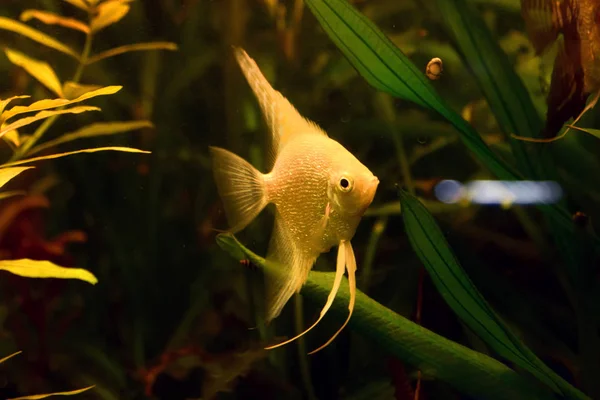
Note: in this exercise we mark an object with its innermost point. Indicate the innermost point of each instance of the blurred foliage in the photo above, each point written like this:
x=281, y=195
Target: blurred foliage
x=172, y=315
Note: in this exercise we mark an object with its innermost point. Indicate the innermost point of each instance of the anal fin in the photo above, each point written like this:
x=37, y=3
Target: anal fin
x=292, y=266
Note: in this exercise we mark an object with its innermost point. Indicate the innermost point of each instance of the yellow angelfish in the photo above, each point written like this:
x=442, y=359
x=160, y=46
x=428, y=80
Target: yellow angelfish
x=320, y=191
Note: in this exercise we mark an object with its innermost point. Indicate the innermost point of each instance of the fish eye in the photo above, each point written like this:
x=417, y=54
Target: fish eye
x=345, y=184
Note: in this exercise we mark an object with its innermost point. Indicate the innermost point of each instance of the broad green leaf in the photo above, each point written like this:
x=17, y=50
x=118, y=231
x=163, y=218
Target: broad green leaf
x=387, y=69
x=98, y=129
x=6, y=174
x=11, y=356
x=462, y=296
x=470, y=372
x=505, y=92
x=43, y=115
x=4, y=103
x=35, y=35
x=516, y=114
x=45, y=269
x=43, y=396
x=49, y=18
x=47, y=104
x=40, y=70
x=131, y=47
x=593, y=132
x=81, y=4
x=108, y=13
x=69, y=153
x=73, y=90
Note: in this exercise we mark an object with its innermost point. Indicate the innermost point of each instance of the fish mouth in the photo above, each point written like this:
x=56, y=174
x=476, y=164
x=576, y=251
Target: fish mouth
x=368, y=194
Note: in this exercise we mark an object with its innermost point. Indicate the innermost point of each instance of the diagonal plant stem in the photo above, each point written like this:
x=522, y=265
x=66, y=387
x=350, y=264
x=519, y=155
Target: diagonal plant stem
x=41, y=130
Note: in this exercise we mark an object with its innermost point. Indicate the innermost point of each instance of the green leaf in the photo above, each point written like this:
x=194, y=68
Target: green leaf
x=593, y=132
x=35, y=35
x=109, y=12
x=69, y=153
x=462, y=296
x=505, y=92
x=45, y=269
x=43, y=115
x=11, y=356
x=54, y=103
x=470, y=372
x=6, y=174
x=49, y=18
x=40, y=70
x=72, y=90
x=387, y=69
x=43, y=396
x=98, y=129
x=4, y=103
x=131, y=47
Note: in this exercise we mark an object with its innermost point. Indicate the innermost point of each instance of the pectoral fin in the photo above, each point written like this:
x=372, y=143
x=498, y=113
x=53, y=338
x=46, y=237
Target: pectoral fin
x=351, y=267
x=339, y=272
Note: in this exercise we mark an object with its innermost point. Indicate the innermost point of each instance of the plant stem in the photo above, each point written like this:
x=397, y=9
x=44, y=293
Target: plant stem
x=303, y=359
x=378, y=229
x=87, y=47
x=41, y=130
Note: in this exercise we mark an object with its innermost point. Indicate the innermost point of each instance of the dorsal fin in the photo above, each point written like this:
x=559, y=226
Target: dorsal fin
x=544, y=19
x=281, y=116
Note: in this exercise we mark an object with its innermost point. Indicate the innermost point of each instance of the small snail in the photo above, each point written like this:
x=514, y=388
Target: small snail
x=434, y=68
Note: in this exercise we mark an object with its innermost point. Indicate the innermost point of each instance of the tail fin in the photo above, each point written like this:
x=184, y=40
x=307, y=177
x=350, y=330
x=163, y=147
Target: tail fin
x=241, y=187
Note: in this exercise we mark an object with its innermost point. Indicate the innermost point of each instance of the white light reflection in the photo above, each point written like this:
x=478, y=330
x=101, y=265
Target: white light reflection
x=498, y=192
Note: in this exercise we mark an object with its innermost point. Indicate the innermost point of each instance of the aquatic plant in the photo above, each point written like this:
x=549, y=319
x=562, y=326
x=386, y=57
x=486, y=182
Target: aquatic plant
x=15, y=121
x=387, y=69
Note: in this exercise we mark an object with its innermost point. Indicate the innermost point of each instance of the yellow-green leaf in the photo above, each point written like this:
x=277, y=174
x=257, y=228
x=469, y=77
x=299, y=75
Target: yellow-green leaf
x=109, y=12
x=593, y=132
x=45, y=269
x=40, y=70
x=49, y=18
x=68, y=153
x=11, y=356
x=4, y=103
x=43, y=396
x=12, y=137
x=97, y=129
x=72, y=90
x=47, y=104
x=43, y=115
x=81, y=4
x=6, y=174
x=132, y=47
x=11, y=193
x=35, y=35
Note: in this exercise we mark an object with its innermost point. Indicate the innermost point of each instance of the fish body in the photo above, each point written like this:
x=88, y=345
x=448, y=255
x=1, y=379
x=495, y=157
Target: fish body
x=576, y=72
x=319, y=189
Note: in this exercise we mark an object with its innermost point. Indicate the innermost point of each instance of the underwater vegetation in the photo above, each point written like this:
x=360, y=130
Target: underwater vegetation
x=451, y=301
